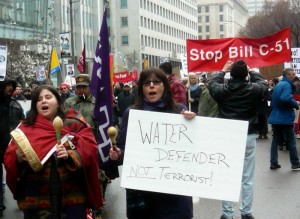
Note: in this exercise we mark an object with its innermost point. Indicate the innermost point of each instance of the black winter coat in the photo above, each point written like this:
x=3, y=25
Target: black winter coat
x=11, y=113
x=239, y=98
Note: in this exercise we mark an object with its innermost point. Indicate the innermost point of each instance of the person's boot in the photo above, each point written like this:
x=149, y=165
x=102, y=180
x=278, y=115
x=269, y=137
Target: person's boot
x=249, y=216
x=275, y=166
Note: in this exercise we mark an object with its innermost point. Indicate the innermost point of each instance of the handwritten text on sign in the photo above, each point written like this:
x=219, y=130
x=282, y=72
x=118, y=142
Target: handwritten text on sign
x=201, y=157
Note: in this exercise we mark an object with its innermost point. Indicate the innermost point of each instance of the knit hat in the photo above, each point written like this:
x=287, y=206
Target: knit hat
x=64, y=85
x=239, y=69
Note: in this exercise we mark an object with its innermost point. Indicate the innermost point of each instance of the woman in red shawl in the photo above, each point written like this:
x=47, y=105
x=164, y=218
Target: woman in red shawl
x=67, y=183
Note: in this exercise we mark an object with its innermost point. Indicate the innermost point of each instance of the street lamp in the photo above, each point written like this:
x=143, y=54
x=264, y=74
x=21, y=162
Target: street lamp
x=72, y=30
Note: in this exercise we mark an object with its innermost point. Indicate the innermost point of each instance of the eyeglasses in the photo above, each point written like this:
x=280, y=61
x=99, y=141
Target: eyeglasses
x=155, y=82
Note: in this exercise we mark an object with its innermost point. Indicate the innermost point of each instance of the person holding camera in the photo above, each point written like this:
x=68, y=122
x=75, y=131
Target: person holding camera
x=238, y=99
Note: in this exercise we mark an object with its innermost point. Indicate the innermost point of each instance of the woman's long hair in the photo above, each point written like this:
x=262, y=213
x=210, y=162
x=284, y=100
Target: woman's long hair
x=167, y=96
x=32, y=113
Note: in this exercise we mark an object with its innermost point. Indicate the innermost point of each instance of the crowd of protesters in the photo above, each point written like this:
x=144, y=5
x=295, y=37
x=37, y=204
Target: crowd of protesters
x=273, y=101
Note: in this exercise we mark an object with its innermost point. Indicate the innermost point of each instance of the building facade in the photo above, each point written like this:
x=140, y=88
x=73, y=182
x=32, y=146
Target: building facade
x=220, y=18
x=148, y=32
x=254, y=6
x=85, y=26
x=29, y=26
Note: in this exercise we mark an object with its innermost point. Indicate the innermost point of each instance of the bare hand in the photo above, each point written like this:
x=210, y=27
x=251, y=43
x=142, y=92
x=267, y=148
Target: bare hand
x=227, y=66
x=114, y=153
x=62, y=152
x=20, y=155
x=188, y=114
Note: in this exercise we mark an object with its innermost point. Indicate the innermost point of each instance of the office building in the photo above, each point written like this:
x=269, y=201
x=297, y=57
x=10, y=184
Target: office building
x=220, y=18
x=254, y=6
x=147, y=32
x=30, y=28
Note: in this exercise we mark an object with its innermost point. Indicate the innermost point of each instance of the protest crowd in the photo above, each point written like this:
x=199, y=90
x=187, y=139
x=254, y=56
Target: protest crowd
x=64, y=150
x=263, y=102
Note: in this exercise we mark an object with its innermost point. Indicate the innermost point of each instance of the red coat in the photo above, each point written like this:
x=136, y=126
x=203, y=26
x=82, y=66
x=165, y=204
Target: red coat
x=42, y=138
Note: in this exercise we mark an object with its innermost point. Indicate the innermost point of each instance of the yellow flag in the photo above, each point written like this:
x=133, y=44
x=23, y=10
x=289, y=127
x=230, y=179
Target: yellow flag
x=146, y=63
x=54, y=62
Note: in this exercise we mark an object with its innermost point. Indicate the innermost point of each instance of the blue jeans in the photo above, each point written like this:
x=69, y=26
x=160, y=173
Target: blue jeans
x=290, y=140
x=247, y=181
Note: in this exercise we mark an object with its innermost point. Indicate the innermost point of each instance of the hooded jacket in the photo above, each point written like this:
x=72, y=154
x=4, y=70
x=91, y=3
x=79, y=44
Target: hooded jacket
x=11, y=113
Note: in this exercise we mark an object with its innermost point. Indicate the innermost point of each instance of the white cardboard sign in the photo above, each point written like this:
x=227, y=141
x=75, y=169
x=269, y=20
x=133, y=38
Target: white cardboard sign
x=3, y=62
x=201, y=157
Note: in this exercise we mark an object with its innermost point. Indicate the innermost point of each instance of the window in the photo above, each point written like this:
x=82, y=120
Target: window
x=142, y=40
x=206, y=19
x=124, y=21
x=199, y=29
x=125, y=40
x=221, y=9
x=207, y=28
x=221, y=18
x=199, y=9
x=123, y=3
x=221, y=27
x=206, y=9
x=199, y=19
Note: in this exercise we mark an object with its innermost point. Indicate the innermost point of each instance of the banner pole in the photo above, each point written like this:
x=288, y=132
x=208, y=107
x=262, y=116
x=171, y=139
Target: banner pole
x=189, y=93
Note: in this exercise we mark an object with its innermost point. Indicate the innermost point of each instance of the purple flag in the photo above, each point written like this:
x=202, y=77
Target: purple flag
x=101, y=89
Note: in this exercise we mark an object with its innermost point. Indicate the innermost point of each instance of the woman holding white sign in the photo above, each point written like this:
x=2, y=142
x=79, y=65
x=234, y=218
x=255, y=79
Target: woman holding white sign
x=154, y=94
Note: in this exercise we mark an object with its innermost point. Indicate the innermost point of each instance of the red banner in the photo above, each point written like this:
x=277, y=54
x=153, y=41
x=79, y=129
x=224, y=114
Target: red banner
x=81, y=62
x=211, y=55
x=125, y=76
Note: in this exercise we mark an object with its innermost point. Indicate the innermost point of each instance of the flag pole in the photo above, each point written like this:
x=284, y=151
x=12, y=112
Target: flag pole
x=48, y=76
x=84, y=57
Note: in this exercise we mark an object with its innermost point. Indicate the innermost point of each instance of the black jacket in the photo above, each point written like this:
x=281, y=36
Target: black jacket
x=11, y=113
x=196, y=96
x=239, y=98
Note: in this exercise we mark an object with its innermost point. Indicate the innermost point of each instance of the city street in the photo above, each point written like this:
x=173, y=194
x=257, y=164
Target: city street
x=276, y=194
